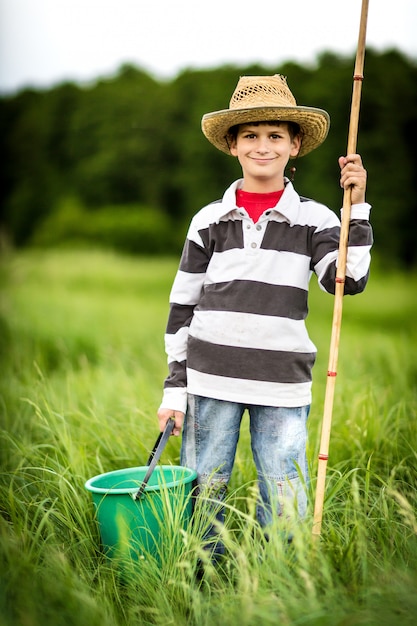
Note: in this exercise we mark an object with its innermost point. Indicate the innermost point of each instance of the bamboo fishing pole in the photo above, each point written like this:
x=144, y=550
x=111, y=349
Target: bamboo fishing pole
x=340, y=281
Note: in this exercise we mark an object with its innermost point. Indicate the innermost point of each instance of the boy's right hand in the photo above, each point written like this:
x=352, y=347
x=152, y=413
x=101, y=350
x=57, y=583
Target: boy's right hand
x=165, y=414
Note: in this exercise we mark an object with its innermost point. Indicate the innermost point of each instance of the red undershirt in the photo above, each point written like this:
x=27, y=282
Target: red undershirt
x=256, y=203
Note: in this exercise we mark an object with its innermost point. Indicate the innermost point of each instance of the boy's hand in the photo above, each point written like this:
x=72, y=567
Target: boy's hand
x=353, y=175
x=165, y=414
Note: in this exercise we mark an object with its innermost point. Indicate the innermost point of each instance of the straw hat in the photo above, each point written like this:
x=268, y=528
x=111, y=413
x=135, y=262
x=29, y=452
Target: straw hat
x=261, y=99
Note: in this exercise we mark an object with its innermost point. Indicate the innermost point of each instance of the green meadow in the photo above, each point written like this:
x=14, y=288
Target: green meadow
x=81, y=369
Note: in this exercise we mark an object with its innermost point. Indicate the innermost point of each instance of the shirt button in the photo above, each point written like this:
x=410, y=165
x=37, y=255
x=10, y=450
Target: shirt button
x=248, y=226
x=253, y=244
x=259, y=227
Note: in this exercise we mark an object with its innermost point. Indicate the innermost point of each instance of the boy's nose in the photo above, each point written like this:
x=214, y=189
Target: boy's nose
x=262, y=146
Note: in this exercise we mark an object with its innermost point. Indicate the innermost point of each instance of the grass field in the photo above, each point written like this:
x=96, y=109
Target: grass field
x=82, y=365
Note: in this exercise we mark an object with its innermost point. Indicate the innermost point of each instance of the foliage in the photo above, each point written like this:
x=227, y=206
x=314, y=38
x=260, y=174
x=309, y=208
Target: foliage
x=131, y=140
x=81, y=349
x=127, y=228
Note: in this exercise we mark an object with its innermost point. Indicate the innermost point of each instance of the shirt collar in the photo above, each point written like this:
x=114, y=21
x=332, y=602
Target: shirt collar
x=287, y=206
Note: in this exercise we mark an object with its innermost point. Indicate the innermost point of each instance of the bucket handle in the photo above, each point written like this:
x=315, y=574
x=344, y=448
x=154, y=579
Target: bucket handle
x=155, y=455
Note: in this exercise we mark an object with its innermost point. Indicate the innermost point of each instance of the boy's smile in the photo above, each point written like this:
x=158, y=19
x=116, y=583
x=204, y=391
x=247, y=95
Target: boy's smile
x=263, y=151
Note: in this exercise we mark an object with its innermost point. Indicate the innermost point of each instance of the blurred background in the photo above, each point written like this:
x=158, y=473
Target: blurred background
x=101, y=105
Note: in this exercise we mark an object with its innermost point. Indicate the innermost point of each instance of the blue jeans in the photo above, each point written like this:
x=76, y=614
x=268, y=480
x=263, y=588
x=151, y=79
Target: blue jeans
x=278, y=441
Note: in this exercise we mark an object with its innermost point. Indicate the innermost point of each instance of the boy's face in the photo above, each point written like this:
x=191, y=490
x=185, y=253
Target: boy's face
x=263, y=152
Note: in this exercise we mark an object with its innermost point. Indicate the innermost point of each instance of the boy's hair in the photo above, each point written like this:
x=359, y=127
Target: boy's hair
x=293, y=128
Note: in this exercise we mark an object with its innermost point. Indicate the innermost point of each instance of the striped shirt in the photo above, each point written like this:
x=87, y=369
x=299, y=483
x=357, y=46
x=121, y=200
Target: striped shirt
x=236, y=329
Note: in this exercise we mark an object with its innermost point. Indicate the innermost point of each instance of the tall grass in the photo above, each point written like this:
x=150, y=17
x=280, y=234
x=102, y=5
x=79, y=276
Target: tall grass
x=82, y=364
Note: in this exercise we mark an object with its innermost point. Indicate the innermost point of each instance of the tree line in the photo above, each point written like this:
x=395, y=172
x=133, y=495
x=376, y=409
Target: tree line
x=123, y=162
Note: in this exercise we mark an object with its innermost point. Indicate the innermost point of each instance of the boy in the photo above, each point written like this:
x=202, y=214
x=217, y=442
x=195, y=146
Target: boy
x=236, y=337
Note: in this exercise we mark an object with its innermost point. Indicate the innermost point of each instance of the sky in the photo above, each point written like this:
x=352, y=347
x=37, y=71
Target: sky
x=47, y=42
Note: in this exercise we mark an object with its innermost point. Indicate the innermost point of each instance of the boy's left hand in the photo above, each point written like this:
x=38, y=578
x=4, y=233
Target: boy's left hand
x=353, y=175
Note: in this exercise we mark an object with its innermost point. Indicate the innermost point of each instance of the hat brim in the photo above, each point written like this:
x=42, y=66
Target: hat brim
x=314, y=123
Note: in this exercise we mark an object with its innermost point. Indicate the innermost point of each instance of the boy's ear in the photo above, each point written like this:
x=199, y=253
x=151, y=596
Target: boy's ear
x=296, y=146
x=232, y=145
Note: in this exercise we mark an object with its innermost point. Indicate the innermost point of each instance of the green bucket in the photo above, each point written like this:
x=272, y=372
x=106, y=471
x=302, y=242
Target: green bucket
x=134, y=529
